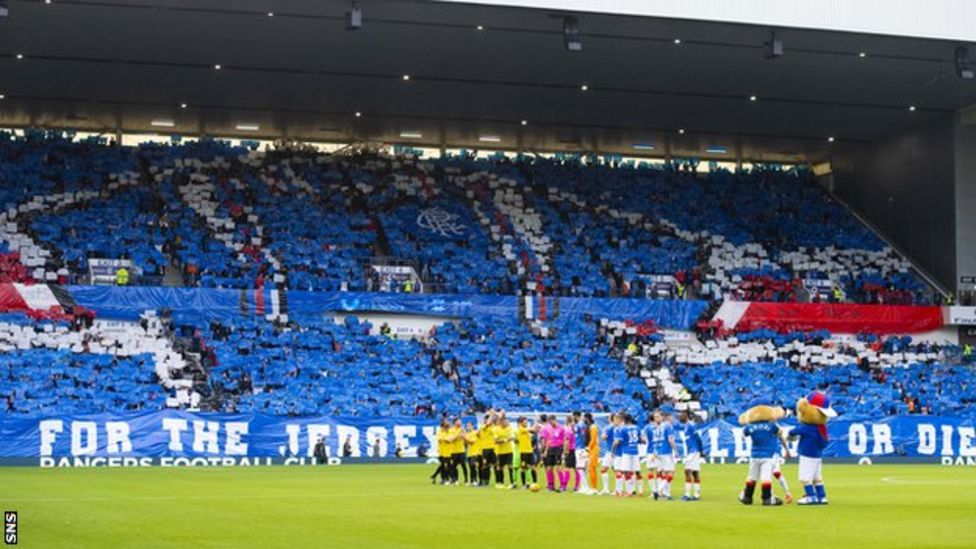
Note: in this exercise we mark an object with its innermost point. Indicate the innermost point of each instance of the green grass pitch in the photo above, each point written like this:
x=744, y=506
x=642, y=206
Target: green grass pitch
x=360, y=506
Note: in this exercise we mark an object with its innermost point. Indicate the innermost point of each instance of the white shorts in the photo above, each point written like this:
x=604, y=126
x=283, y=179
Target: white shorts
x=761, y=469
x=606, y=461
x=582, y=459
x=811, y=469
x=651, y=461
x=665, y=463
x=626, y=463
x=693, y=462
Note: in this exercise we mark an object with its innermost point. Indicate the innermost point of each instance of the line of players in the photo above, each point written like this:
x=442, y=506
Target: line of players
x=573, y=449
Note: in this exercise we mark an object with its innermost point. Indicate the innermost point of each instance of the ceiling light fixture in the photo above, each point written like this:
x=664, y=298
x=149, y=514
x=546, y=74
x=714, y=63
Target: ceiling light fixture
x=217, y=67
x=714, y=149
x=681, y=131
x=525, y=122
x=584, y=87
x=830, y=139
x=183, y=105
x=911, y=108
x=490, y=139
x=677, y=41
x=862, y=54
x=643, y=147
x=480, y=27
x=406, y=77
x=248, y=127
x=411, y=135
x=162, y=123
x=359, y=114
x=753, y=98
x=270, y=14
x=2, y=96
x=20, y=56
x=354, y=17
x=571, y=34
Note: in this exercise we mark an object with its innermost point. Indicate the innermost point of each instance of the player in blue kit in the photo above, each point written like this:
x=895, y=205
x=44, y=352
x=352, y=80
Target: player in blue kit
x=606, y=461
x=694, y=450
x=662, y=452
x=626, y=440
x=766, y=437
x=581, y=432
x=666, y=451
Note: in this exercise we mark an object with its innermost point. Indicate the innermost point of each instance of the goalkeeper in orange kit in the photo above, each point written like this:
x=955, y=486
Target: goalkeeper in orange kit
x=593, y=449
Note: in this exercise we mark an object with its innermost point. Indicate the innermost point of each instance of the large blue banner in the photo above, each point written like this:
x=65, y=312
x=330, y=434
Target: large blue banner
x=183, y=438
x=128, y=303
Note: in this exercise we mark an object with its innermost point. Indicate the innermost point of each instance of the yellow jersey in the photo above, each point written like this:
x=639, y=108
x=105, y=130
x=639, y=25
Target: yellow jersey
x=524, y=437
x=473, y=442
x=457, y=445
x=443, y=446
x=500, y=434
x=485, y=439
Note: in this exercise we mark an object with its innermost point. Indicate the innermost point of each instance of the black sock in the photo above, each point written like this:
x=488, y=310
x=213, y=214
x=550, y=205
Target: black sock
x=767, y=492
x=499, y=476
x=465, y=471
x=750, y=489
x=535, y=476
x=511, y=476
x=523, y=477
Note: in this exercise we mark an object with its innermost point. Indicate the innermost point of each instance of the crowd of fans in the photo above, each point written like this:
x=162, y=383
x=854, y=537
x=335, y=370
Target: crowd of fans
x=226, y=216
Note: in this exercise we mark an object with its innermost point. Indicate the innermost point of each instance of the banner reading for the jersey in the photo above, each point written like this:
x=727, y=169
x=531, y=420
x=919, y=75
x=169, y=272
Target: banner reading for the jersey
x=183, y=438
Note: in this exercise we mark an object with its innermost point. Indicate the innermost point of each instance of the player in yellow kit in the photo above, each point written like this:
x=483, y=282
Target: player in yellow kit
x=457, y=452
x=527, y=461
x=487, y=443
x=504, y=436
x=473, y=443
x=443, y=453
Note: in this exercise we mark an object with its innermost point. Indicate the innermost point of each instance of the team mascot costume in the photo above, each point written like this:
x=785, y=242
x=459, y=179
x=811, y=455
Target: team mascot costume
x=760, y=426
x=813, y=412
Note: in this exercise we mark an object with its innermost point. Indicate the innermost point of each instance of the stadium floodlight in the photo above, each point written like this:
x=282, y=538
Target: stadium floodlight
x=354, y=17
x=571, y=34
x=773, y=48
x=4, y=10
x=965, y=68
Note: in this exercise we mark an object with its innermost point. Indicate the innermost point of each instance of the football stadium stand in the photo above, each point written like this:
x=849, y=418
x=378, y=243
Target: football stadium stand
x=278, y=223
x=235, y=218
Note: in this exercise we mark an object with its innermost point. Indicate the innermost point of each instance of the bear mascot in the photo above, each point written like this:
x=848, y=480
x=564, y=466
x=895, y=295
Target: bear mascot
x=813, y=413
x=767, y=436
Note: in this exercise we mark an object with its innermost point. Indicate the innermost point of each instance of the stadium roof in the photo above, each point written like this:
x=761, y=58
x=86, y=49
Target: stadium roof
x=290, y=68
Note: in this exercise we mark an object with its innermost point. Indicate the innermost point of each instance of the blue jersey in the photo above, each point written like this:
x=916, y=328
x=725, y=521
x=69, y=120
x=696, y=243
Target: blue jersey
x=811, y=442
x=662, y=435
x=612, y=437
x=693, y=440
x=580, y=431
x=629, y=440
x=764, y=441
